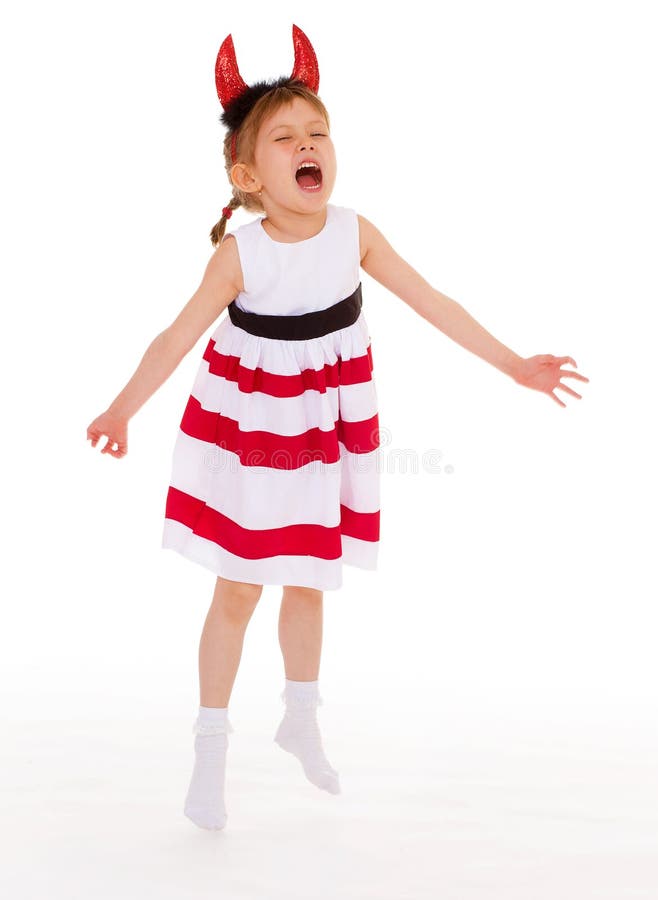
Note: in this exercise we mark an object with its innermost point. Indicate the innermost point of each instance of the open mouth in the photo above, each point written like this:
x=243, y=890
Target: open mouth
x=309, y=177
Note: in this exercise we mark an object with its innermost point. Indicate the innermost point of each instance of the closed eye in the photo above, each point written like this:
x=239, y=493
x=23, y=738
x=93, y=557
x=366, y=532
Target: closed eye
x=287, y=138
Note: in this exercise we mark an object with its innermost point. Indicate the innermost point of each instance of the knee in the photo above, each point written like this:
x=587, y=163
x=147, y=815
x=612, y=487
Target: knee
x=237, y=600
x=296, y=593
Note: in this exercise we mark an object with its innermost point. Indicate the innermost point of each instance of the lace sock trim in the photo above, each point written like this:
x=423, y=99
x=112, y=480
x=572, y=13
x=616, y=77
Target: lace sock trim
x=301, y=702
x=211, y=728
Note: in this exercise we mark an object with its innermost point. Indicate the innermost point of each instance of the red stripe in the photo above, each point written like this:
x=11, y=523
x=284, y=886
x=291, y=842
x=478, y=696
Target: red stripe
x=349, y=371
x=359, y=437
x=279, y=451
x=364, y=526
x=289, y=540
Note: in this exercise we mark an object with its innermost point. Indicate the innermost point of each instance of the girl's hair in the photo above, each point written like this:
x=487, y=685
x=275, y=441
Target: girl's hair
x=246, y=144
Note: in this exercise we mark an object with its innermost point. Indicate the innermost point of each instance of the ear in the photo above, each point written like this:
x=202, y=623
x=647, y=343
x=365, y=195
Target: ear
x=243, y=179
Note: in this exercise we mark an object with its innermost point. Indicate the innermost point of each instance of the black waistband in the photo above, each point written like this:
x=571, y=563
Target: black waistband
x=302, y=327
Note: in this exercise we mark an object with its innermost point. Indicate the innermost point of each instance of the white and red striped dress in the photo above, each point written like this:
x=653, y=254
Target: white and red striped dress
x=275, y=473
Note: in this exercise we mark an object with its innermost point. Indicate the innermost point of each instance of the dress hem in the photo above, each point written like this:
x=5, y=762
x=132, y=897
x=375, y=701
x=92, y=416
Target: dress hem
x=208, y=554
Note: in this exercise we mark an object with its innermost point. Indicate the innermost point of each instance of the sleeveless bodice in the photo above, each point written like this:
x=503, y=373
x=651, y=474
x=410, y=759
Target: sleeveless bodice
x=288, y=279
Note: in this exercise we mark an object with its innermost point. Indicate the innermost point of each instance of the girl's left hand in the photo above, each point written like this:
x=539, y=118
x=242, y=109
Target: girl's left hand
x=543, y=373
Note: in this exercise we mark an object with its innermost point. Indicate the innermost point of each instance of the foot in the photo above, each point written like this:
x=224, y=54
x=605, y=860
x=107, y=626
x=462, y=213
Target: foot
x=204, y=803
x=299, y=734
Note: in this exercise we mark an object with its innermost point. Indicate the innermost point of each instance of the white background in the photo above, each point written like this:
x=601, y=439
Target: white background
x=491, y=691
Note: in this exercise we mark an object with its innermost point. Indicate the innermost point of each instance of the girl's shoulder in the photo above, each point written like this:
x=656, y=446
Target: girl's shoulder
x=348, y=223
x=244, y=236
x=246, y=227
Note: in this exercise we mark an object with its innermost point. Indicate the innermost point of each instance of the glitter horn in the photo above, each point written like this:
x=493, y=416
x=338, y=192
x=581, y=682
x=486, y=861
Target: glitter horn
x=238, y=98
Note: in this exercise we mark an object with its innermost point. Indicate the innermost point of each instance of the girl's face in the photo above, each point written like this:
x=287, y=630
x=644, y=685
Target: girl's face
x=295, y=133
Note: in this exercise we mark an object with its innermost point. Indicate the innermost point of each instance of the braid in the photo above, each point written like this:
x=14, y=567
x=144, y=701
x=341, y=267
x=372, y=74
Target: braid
x=217, y=231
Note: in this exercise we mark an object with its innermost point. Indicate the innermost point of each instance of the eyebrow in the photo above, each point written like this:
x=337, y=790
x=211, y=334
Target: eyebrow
x=313, y=122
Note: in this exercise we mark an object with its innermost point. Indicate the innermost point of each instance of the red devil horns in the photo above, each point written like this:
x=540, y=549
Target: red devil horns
x=306, y=63
x=230, y=84
x=227, y=75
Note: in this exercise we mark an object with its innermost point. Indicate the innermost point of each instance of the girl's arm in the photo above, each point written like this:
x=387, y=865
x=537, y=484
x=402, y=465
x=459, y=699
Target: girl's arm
x=221, y=283
x=218, y=287
x=380, y=260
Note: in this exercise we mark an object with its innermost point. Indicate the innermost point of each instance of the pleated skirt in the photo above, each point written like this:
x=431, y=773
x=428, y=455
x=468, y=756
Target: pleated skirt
x=275, y=474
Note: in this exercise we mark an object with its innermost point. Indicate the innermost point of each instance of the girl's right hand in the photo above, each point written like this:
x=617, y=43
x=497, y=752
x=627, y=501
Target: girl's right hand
x=116, y=429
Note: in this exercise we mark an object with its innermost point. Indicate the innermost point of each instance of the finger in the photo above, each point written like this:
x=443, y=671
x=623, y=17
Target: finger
x=568, y=390
x=118, y=451
x=573, y=374
x=98, y=435
x=567, y=359
x=557, y=399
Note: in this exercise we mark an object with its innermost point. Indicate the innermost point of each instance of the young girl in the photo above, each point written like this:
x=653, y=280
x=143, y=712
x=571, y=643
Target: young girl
x=274, y=475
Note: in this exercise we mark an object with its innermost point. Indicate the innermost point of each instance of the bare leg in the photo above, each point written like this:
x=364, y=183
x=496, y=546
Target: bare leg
x=220, y=648
x=300, y=632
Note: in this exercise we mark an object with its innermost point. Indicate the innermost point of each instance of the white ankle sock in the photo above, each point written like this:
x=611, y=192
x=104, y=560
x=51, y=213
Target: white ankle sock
x=204, y=803
x=299, y=733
